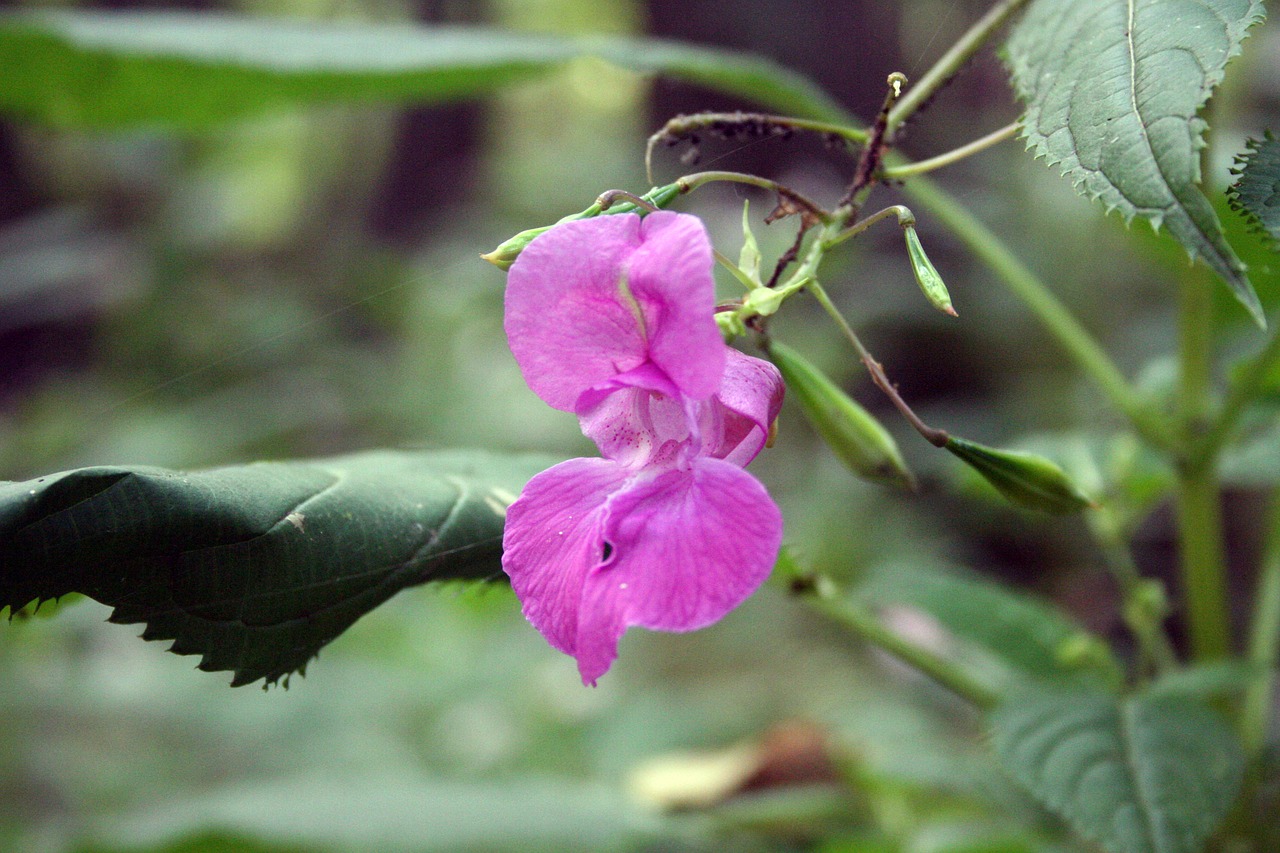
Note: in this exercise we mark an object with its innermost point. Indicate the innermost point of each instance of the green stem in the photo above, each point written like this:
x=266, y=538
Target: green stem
x=689, y=183
x=1242, y=393
x=905, y=218
x=1026, y=286
x=1203, y=559
x=1203, y=566
x=952, y=61
x=1264, y=639
x=682, y=126
x=975, y=147
x=1143, y=620
x=864, y=623
x=936, y=437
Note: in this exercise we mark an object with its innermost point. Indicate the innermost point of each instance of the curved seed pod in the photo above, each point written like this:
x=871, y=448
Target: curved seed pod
x=1025, y=479
x=926, y=274
x=859, y=440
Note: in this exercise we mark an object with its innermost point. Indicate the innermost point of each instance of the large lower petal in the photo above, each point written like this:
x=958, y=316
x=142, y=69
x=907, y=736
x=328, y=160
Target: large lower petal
x=554, y=536
x=685, y=547
x=593, y=298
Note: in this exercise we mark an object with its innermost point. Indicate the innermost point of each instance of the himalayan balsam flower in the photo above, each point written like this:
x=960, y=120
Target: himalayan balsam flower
x=612, y=319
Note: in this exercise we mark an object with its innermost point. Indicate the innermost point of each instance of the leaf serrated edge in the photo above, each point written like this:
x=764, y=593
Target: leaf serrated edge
x=1037, y=143
x=1239, y=168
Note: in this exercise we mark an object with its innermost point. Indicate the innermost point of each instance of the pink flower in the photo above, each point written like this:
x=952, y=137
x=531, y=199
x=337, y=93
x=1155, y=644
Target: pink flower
x=612, y=318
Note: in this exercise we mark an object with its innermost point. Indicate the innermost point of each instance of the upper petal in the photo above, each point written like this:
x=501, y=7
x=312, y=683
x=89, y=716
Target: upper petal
x=593, y=298
x=554, y=536
x=686, y=547
x=671, y=275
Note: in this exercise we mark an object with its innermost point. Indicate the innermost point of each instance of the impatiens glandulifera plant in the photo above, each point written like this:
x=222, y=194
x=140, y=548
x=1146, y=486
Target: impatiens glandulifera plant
x=611, y=315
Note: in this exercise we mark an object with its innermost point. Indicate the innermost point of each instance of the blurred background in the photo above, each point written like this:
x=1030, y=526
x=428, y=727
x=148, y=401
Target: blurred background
x=307, y=283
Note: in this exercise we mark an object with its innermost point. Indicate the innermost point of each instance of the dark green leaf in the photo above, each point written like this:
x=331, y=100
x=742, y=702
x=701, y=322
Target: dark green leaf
x=1257, y=193
x=1113, y=88
x=1146, y=774
x=1026, y=635
x=256, y=567
x=178, y=69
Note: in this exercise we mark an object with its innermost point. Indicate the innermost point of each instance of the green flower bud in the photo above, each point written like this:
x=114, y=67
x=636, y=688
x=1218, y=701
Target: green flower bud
x=731, y=325
x=1148, y=604
x=749, y=258
x=859, y=440
x=506, y=253
x=926, y=275
x=1025, y=479
x=1084, y=652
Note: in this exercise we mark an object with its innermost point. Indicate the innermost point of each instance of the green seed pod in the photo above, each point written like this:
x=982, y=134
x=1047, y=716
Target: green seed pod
x=926, y=275
x=506, y=253
x=859, y=440
x=1025, y=479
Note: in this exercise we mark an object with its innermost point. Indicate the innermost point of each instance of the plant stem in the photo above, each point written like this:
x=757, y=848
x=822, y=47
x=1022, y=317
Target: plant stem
x=952, y=61
x=1026, y=286
x=1198, y=492
x=905, y=218
x=1145, y=625
x=864, y=623
x=1264, y=639
x=1243, y=392
x=936, y=437
x=682, y=126
x=873, y=152
x=689, y=183
x=1203, y=567
x=976, y=146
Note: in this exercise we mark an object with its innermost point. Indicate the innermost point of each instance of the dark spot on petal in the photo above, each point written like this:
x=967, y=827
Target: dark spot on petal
x=607, y=553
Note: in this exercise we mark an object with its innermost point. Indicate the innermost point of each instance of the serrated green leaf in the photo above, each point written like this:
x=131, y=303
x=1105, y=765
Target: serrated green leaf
x=1145, y=774
x=114, y=70
x=1257, y=193
x=1113, y=88
x=256, y=567
x=1026, y=635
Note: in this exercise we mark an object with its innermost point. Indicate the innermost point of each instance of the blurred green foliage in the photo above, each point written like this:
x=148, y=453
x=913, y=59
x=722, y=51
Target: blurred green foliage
x=207, y=298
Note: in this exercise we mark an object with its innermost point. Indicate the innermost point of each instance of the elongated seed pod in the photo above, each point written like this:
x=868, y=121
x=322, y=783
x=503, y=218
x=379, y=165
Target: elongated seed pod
x=1025, y=479
x=859, y=440
x=926, y=274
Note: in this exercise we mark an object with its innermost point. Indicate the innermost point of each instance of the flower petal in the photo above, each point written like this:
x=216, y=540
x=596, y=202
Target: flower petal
x=593, y=298
x=751, y=397
x=638, y=419
x=554, y=536
x=686, y=547
x=671, y=276
x=565, y=322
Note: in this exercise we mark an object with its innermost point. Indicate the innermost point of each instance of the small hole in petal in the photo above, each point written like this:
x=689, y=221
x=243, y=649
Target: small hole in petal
x=606, y=553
